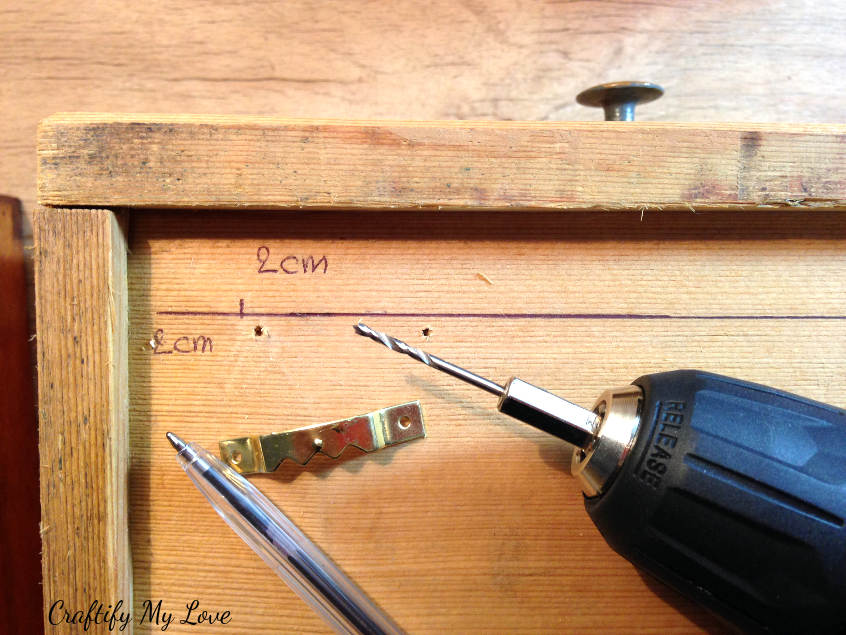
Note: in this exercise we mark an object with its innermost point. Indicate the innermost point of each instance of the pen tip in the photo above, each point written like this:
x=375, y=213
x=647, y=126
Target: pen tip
x=176, y=442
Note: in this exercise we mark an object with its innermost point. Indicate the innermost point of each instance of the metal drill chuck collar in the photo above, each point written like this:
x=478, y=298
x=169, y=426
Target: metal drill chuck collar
x=596, y=465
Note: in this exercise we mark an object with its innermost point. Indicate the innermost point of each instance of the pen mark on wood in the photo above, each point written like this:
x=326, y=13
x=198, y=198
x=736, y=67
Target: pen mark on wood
x=290, y=264
x=242, y=312
x=183, y=344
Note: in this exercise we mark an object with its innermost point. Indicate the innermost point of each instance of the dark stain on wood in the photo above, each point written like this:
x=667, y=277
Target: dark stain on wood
x=750, y=144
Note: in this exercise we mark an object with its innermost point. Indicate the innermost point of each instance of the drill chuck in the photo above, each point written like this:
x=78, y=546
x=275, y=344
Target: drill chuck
x=596, y=465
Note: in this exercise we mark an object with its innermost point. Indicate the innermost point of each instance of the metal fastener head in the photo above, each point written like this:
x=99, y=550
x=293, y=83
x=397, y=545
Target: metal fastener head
x=620, y=98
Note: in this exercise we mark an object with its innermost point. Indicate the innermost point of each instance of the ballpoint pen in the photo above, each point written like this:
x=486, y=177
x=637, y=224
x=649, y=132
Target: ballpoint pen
x=280, y=543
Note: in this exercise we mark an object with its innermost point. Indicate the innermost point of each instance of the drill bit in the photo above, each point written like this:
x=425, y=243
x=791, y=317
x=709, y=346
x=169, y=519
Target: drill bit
x=430, y=360
x=517, y=398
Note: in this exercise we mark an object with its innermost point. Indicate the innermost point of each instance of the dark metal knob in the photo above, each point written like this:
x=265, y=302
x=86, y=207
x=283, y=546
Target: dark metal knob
x=620, y=98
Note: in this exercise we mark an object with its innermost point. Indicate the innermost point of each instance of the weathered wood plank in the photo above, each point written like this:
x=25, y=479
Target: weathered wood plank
x=81, y=320
x=430, y=60
x=251, y=162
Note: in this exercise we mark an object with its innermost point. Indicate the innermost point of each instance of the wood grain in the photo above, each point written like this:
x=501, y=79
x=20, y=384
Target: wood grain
x=223, y=162
x=447, y=60
x=441, y=59
x=477, y=528
x=19, y=513
x=81, y=320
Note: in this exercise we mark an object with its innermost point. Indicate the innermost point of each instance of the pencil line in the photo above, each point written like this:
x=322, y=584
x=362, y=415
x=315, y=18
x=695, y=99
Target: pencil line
x=491, y=316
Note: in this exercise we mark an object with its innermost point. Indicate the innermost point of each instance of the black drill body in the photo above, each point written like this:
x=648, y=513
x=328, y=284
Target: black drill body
x=735, y=494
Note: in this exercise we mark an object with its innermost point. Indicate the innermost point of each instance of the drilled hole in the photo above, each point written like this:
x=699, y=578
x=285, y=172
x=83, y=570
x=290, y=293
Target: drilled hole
x=426, y=332
x=404, y=422
x=259, y=330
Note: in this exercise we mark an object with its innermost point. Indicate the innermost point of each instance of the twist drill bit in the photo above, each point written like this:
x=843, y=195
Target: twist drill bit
x=517, y=398
x=430, y=360
x=393, y=343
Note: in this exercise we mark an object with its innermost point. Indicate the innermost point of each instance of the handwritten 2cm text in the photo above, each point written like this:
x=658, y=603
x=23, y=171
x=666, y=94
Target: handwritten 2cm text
x=290, y=264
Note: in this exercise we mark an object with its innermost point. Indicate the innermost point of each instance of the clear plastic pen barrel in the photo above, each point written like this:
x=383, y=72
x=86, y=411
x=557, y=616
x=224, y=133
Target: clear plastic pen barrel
x=297, y=560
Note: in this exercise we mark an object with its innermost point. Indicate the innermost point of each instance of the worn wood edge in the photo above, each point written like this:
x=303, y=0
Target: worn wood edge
x=81, y=302
x=240, y=121
x=119, y=457
x=217, y=162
